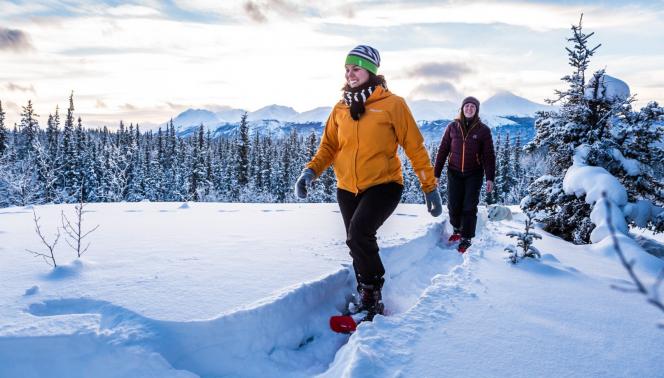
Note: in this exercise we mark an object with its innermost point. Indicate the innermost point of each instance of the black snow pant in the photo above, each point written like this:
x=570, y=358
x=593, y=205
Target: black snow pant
x=363, y=214
x=463, y=196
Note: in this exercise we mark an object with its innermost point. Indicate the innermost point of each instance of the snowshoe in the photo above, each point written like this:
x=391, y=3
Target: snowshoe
x=464, y=245
x=370, y=304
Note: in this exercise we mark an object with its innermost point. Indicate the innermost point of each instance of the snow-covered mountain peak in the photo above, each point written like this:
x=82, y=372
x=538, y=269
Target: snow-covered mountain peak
x=507, y=103
x=276, y=112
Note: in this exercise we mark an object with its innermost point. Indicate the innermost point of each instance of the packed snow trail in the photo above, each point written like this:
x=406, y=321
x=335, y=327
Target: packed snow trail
x=287, y=336
x=423, y=285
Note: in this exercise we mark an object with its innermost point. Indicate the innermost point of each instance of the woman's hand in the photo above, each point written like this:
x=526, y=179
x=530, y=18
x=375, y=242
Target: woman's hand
x=305, y=179
x=434, y=203
x=489, y=186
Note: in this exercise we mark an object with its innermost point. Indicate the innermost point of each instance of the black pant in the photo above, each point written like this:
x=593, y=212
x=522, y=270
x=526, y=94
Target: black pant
x=363, y=214
x=463, y=196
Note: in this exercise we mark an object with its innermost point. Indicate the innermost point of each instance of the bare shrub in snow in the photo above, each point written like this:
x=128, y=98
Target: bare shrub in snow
x=48, y=257
x=524, y=246
x=75, y=231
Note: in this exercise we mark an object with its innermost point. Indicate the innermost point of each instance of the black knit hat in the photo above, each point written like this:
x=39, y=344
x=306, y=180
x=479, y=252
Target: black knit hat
x=472, y=100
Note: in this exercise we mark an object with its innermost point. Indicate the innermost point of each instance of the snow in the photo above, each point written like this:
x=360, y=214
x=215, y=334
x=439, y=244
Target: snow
x=582, y=179
x=641, y=211
x=611, y=88
x=273, y=112
x=506, y=103
x=314, y=115
x=595, y=182
x=631, y=166
x=245, y=290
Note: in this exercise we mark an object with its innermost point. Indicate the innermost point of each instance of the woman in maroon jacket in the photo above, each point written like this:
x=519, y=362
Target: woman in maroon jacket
x=468, y=144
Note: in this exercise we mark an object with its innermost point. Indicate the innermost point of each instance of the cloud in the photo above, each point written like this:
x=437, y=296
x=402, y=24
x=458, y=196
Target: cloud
x=175, y=106
x=535, y=15
x=254, y=12
x=15, y=40
x=441, y=90
x=19, y=88
x=100, y=104
x=258, y=10
x=11, y=106
x=129, y=107
x=133, y=11
x=448, y=70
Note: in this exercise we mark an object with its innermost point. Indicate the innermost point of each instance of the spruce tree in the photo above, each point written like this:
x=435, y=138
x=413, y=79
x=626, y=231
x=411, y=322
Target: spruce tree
x=3, y=132
x=508, y=181
x=495, y=196
x=29, y=133
x=52, y=134
x=589, y=115
x=198, y=180
x=69, y=182
x=243, y=152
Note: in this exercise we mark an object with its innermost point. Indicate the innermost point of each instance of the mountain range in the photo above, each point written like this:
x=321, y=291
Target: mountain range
x=504, y=109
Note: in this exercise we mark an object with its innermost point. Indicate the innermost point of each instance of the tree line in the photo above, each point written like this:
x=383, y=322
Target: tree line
x=67, y=163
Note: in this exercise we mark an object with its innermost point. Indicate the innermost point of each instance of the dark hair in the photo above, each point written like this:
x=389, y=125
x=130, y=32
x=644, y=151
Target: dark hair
x=374, y=80
x=462, y=117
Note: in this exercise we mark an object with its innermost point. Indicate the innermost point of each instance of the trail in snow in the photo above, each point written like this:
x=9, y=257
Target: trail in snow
x=424, y=285
x=286, y=337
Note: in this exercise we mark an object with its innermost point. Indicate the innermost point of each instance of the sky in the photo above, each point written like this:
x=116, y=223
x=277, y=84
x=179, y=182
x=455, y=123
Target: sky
x=145, y=61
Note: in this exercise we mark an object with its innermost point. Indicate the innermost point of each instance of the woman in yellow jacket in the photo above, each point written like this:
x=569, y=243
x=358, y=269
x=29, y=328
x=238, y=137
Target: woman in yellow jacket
x=361, y=138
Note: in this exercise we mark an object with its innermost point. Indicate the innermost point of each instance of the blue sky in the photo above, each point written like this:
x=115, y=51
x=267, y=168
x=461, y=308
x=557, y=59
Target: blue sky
x=145, y=61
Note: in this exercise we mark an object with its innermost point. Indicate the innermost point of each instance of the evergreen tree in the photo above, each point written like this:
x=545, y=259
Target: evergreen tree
x=70, y=178
x=52, y=131
x=29, y=127
x=506, y=171
x=3, y=132
x=495, y=196
x=198, y=170
x=589, y=115
x=243, y=152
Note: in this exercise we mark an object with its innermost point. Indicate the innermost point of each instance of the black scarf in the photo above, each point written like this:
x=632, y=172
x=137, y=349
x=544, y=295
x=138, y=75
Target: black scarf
x=356, y=97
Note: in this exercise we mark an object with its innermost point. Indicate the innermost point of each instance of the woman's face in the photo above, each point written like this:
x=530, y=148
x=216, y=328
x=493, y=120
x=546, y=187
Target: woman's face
x=469, y=110
x=356, y=75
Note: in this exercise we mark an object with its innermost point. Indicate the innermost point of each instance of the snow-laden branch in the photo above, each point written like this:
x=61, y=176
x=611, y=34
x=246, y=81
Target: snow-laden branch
x=582, y=179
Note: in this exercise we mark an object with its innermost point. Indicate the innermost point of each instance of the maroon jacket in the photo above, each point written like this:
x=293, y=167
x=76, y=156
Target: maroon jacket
x=467, y=152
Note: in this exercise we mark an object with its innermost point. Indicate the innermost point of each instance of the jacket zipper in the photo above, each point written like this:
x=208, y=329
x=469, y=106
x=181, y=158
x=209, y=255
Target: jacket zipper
x=357, y=150
x=463, y=146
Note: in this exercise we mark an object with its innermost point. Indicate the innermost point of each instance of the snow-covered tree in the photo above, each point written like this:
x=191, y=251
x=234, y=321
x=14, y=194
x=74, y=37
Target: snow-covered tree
x=596, y=114
x=3, y=132
x=29, y=130
x=524, y=247
x=558, y=133
x=70, y=179
x=243, y=152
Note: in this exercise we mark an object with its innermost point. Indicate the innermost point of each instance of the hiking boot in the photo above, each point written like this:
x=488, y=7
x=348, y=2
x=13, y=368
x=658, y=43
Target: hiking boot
x=370, y=300
x=464, y=245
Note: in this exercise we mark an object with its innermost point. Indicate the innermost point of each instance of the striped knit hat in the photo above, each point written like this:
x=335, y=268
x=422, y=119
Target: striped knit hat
x=366, y=57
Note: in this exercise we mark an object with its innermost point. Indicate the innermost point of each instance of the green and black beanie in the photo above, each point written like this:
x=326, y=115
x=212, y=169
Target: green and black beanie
x=366, y=57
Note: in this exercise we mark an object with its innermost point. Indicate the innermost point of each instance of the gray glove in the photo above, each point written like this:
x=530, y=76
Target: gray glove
x=305, y=179
x=434, y=203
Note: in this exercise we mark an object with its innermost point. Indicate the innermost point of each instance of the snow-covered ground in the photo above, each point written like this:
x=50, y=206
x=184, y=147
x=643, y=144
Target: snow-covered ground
x=246, y=290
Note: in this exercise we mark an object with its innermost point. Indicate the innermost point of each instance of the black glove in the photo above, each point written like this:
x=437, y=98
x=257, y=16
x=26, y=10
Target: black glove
x=305, y=179
x=434, y=203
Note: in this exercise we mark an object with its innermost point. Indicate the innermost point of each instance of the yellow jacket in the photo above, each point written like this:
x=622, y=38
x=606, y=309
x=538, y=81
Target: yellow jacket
x=364, y=152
